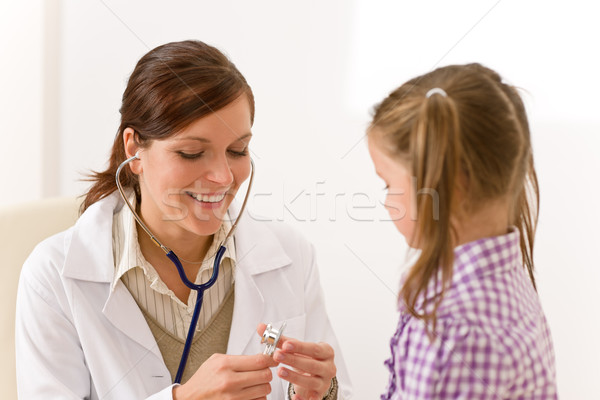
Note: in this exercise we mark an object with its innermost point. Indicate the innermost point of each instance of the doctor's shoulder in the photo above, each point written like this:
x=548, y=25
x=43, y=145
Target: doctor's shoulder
x=43, y=266
x=90, y=230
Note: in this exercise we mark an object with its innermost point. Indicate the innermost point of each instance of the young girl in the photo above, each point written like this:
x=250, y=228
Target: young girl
x=454, y=149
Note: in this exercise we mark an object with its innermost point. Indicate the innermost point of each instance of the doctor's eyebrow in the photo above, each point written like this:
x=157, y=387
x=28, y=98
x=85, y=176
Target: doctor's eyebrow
x=205, y=140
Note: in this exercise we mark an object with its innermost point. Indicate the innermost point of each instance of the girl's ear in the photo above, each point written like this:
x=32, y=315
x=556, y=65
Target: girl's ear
x=132, y=148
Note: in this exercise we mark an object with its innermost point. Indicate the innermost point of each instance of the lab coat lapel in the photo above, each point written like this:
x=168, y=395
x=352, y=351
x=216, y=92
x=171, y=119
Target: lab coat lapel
x=89, y=258
x=257, y=251
x=124, y=313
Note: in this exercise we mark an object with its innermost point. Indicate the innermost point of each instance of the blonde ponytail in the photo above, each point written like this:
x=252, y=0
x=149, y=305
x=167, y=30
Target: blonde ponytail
x=435, y=149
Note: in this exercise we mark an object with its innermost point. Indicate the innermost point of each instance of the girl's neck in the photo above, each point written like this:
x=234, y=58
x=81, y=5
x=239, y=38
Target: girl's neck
x=488, y=220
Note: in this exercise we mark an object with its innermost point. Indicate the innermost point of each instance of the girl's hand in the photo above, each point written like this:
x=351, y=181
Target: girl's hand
x=312, y=366
x=229, y=377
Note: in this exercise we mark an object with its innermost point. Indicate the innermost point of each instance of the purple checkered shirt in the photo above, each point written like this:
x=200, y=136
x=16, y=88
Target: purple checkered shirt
x=492, y=340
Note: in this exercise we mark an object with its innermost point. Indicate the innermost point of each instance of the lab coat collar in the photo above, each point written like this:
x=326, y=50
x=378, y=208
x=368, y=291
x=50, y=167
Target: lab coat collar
x=89, y=256
x=258, y=249
x=254, y=242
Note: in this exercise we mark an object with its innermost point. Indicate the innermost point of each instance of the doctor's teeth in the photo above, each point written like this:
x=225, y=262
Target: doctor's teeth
x=208, y=199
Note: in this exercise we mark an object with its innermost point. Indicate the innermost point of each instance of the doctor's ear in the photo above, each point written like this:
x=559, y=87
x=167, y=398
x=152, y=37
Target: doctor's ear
x=132, y=148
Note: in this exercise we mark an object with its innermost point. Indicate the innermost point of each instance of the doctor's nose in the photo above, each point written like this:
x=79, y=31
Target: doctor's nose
x=219, y=171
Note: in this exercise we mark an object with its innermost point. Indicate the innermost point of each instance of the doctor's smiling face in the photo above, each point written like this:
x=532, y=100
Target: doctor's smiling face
x=188, y=180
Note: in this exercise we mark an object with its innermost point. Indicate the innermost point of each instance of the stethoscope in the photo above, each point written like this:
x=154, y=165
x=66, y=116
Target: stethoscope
x=269, y=336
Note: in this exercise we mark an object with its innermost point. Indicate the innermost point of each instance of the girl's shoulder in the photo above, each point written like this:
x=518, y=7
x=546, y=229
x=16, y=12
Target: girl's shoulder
x=502, y=300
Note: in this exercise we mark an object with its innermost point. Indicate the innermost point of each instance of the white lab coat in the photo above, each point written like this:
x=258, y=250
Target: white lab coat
x=77, y=339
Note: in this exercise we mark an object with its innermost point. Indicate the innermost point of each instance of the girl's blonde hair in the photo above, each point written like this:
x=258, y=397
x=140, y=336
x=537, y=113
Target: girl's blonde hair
x=475, y=136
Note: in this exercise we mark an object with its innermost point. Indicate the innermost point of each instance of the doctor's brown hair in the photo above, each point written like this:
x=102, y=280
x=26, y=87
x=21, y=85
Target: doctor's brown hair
x=171, y=86
x=476, y=139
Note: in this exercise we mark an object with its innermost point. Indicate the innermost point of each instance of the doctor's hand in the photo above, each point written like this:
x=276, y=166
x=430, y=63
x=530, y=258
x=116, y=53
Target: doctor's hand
x=229, y=377
x=312, y=366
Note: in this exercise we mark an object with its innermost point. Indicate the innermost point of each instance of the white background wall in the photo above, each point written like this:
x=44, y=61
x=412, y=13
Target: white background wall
x=316, y=69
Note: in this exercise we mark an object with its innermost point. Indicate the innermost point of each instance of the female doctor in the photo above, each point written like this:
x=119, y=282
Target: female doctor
x=102, y=313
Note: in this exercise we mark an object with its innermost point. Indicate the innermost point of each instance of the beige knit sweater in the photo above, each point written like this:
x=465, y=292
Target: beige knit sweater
x=212, y=339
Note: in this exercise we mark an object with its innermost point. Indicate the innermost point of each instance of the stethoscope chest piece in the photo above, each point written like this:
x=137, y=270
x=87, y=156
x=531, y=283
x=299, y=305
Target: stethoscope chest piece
x=271, y=337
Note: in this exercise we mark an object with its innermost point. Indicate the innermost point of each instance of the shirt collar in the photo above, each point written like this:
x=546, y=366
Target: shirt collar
x=487, y=256
x=474, y=260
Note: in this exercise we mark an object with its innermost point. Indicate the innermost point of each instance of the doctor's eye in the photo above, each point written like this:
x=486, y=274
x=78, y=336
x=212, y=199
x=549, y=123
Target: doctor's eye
x=190, y=156
x=239, y=153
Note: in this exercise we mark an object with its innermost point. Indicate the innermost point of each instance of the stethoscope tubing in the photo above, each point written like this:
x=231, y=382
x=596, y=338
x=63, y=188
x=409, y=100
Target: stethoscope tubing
x=199, y=288
x=199, y=298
